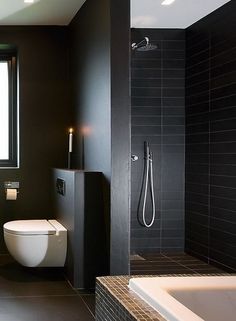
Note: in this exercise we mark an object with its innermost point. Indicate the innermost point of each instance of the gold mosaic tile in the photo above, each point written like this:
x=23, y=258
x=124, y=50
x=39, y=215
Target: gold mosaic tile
x=125, y=302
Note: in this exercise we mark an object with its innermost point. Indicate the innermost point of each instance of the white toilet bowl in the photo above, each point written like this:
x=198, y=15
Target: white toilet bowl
x=36, y=243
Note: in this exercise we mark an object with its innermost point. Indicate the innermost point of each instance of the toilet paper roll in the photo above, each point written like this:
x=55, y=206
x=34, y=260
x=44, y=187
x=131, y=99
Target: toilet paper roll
x=11, y=194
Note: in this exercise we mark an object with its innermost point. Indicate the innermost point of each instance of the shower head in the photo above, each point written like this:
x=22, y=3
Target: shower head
x=143, y=45
x=147, y=47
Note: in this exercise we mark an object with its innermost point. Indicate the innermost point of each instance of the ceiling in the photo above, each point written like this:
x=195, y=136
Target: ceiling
x=41, y=12
x=180, y=14
x=144, y=13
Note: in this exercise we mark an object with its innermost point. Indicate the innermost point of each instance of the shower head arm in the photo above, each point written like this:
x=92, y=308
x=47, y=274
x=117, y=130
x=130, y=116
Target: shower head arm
x=136, y=45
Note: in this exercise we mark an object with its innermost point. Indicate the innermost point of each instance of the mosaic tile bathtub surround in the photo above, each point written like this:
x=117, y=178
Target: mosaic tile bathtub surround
x=116, y=302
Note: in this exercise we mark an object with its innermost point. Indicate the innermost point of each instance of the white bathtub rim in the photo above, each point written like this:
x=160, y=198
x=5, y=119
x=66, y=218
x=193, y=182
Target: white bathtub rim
x=154, y=296
x=154, y=290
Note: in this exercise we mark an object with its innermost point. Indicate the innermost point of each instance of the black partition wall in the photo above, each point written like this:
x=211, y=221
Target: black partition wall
x=99, y=46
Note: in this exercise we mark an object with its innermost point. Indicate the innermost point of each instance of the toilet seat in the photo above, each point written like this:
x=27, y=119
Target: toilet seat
x=29, y=227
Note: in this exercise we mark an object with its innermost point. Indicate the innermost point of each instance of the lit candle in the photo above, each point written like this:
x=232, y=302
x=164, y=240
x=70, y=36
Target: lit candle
x=70, y=139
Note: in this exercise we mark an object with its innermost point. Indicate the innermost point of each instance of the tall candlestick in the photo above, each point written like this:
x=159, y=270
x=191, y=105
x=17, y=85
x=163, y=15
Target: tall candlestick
x=70, y=139
x=70, y=147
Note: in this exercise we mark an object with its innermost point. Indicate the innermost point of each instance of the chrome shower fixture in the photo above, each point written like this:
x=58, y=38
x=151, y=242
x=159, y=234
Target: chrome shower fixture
x=148, y=182
x=143, y=45
x=134, y=158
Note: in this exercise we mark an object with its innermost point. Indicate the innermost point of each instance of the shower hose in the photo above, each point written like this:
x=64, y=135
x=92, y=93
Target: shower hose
x=148, y=174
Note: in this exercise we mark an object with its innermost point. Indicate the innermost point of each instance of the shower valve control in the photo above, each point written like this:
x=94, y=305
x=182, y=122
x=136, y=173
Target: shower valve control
x=134, y=158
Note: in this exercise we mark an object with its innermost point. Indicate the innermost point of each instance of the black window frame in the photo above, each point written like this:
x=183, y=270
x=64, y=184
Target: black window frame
x=11, y=59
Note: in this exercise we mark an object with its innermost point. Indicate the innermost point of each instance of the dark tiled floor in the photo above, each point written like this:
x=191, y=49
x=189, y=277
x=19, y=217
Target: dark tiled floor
x=176, y=263
x=44, y=294
x=40, y=295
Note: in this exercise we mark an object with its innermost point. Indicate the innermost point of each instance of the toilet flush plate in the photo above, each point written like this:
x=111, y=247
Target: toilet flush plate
x=61, y=186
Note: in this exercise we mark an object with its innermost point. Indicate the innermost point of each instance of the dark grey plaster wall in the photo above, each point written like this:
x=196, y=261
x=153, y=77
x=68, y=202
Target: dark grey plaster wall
x=44, y=118
x=100, y=78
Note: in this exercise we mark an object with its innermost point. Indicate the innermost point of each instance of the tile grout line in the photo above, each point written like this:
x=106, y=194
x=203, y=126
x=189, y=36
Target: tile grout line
x=38, y=296
x=87, y=306
x=181, y=265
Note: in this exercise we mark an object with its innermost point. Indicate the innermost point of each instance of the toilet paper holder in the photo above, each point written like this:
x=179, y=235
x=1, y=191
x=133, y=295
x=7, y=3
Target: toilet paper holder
x=11, y=185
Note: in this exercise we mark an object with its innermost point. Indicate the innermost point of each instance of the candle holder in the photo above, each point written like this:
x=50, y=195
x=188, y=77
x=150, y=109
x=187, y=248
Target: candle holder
x=69, y=160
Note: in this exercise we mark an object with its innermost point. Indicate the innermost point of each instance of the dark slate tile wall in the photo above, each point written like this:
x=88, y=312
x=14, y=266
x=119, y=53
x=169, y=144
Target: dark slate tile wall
x=158, y=91
x=211, y=138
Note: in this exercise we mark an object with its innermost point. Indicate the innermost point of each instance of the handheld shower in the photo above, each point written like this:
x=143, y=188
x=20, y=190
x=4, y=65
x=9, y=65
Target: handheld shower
x=148, y=175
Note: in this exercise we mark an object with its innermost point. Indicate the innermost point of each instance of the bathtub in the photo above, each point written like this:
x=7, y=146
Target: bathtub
x=203, y=298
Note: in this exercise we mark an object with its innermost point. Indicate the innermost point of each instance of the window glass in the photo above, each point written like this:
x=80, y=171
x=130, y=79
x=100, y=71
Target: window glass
x=8, y=110
x=4, y=111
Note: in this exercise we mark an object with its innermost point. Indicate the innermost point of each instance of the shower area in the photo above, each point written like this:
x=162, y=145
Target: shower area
x=158, y=134
x=183, y=133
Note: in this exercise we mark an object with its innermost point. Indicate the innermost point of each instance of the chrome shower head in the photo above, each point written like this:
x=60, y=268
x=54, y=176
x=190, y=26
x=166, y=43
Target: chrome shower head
x=142, y=46
x=147, y=47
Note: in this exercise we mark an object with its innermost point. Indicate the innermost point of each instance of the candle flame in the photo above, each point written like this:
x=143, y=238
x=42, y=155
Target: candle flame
x=71, y=130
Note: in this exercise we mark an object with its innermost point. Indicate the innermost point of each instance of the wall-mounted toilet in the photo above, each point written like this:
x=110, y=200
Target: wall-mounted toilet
x=36, y=243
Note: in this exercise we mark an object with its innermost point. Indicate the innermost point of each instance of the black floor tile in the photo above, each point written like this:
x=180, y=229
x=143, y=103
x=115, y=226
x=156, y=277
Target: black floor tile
x=89, y=300
x=16, y=280
x=171, y=263
x=207, y=269
x=164, y=272
x=47, y=308
x=155, y=263
x=36, y=294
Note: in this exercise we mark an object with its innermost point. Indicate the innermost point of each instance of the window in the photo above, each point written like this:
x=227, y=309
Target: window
x=8, y=110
